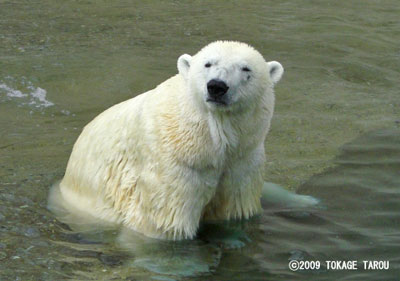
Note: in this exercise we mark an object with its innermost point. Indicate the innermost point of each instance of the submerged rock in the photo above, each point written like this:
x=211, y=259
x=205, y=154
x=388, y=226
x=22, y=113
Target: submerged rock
x=32, y=232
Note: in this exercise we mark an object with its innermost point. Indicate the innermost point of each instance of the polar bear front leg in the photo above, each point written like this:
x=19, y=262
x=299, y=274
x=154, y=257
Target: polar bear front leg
x=239, y=190
x=237, y=197
x=169, y=206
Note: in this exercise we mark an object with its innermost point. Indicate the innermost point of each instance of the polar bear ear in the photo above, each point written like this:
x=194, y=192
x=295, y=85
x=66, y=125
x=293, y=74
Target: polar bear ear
x=275, y=70
x=184, y=64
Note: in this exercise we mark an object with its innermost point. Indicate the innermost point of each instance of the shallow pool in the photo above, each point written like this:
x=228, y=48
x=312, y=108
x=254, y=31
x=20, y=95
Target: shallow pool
x=335, y=133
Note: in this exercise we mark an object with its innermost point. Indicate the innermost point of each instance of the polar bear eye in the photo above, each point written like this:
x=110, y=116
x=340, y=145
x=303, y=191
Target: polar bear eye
x=246, y=69
x=207, y=64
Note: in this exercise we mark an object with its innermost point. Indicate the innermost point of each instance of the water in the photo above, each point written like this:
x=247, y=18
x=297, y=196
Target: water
x=360, y=221
x=61, y=64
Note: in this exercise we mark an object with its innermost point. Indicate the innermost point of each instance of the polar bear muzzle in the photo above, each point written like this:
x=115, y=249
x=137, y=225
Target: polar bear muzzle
x=216, y=90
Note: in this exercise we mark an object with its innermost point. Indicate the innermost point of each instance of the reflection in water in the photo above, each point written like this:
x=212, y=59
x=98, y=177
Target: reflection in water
x=182, y=258
x=178, y=258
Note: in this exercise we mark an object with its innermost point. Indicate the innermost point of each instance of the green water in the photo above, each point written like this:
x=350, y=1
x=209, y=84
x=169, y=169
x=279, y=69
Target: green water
x=62, y=63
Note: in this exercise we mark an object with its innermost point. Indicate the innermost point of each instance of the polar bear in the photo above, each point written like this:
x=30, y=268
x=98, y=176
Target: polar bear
x=190, y=150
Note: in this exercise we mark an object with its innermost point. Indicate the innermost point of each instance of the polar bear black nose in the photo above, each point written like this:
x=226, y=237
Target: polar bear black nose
x=216, y=88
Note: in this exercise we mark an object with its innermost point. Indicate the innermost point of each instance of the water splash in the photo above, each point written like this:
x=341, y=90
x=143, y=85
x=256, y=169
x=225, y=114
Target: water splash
x=24, y=94
x=12, y=93
x=39, y=97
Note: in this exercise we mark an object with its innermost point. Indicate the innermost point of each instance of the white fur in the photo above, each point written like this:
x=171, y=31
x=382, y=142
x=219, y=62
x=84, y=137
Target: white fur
x=275, y=70
x=164, y=160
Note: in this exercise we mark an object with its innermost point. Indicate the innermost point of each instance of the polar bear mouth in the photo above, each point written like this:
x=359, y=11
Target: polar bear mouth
x=217, y=102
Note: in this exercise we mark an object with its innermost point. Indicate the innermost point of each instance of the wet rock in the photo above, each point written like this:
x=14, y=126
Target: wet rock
x=3, y=246
x=3, y=228
x=40, y=243
x=111, y=260
x=9, y=197
x=297, y=255
x=3, y=255
x=162, y=278
x=53, y=265
x=27, y=201
x=85, y=253
x=77, y=238
x=22, y=252
x=32, y=232
x=2, y=217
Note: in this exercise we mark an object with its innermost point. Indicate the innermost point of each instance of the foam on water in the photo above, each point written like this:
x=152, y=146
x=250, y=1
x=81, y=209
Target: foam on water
x=28, y=94
x=39, y=97
x=12, y=93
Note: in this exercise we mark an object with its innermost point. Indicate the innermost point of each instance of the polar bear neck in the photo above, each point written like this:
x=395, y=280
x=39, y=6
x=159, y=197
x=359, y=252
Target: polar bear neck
x=223, y=134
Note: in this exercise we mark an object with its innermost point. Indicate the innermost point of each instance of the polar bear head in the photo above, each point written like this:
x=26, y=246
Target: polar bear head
x=226, y=75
